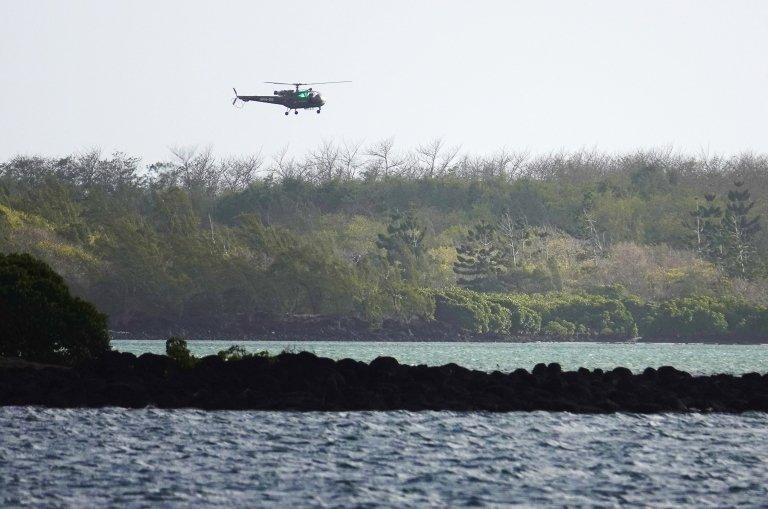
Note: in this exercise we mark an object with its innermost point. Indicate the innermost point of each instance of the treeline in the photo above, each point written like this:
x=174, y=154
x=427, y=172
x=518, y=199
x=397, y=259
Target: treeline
x=206, y=244
x=612, y=316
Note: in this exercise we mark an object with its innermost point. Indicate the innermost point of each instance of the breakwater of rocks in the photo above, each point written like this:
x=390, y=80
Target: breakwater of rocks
x=303, y=381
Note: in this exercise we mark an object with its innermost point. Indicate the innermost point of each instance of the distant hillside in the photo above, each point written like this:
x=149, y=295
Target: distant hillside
x=201, y=243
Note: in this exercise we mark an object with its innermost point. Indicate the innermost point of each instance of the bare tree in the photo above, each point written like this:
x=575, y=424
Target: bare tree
x=502, y=164
x=324, y=161
x=428, y=155
x=383, y=162
x=447, y=160
x=434, y=159
x=512, y=231
x=509, y=164
x=239, y=173
x=285, y=167
x=596, y=238
x=196, y=168
x=349, y=159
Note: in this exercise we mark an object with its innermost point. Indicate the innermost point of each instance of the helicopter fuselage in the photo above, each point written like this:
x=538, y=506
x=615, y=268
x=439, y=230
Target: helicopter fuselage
x=292, y=101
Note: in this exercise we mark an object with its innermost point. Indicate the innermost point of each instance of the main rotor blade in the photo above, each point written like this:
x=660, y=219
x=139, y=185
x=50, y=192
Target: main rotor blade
x=300, y=84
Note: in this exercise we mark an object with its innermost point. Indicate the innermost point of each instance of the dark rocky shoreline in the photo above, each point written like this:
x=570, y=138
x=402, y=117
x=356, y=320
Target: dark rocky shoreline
x=305, y=382
x=334, y=328
x=340, y=328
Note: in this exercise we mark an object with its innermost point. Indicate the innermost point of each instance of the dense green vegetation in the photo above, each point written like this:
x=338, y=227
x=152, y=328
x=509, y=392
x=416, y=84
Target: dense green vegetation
x=40, y=320
x=582, y=316
x=566, y=245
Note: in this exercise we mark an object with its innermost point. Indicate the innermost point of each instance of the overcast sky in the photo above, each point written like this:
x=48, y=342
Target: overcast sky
x=141, y=76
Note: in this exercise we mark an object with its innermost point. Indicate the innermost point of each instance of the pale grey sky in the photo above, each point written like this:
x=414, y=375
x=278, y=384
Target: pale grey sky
x=140, y=76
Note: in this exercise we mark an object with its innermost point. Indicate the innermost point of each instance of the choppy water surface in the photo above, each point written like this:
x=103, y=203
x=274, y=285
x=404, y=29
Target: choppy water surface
x=151, y=457
x=694, y=358
x=154, y=457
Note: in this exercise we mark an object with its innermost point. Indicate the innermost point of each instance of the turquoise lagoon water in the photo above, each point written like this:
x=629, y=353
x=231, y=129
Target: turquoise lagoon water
x=691, y=357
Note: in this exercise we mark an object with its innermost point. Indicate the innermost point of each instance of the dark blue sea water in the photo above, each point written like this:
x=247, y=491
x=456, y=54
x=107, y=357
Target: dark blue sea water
x=159, y=458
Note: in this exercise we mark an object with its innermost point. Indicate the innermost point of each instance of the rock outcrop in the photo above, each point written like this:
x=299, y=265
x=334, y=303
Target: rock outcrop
x=304, y=381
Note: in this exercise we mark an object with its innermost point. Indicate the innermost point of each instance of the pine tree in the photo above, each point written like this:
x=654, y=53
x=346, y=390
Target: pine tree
x=727, y=238
x=738, y=231
x=403, y=244
x=402, y=233
x=707, y=225
x=479, y=259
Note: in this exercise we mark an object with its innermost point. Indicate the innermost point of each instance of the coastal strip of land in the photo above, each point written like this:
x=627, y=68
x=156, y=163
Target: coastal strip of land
x=345, y=328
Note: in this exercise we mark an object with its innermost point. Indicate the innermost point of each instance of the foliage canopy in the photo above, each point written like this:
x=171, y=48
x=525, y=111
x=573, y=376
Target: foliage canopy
x=40, y=320
x=379, y=234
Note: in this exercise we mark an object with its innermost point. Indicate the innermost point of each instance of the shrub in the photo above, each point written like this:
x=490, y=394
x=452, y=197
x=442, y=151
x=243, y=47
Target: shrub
x=689, y=317
x=471, y=311
x=237, y=352
x=590, y=314
x=560, y=328
x=481, y=312
x=523, y=320
x=40, y=320
x=460, y=312
x=754, y=324
x=499, y=318
x=176, y=348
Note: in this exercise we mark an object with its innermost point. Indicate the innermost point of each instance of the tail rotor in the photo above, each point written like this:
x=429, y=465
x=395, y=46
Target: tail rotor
x=236, y=96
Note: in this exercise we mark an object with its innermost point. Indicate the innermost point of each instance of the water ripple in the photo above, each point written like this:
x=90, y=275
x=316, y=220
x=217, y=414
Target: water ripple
x=156, y=457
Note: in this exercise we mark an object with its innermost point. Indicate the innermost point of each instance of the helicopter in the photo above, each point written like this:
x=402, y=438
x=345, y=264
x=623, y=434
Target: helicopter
x=292, y=99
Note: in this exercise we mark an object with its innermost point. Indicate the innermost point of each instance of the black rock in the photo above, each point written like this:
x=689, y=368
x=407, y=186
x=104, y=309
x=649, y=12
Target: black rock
x=384, y=363
x=154, y=365
x=554, y=369
x=621, y=372
x=304, y=381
